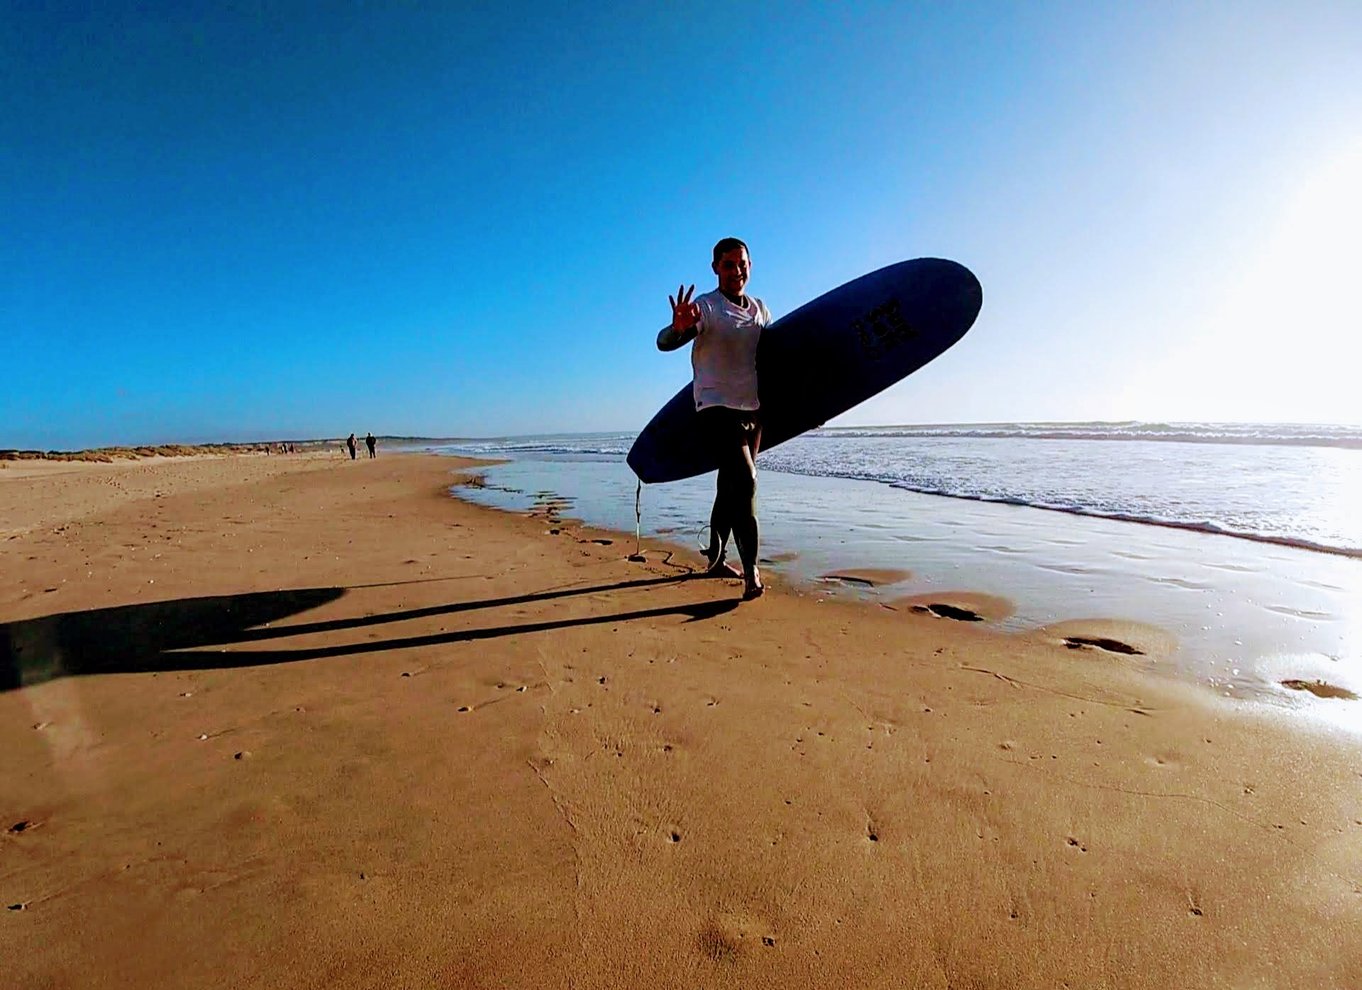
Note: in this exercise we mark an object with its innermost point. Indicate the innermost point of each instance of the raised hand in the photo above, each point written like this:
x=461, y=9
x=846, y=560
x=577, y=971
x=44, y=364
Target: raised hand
x=685, y=314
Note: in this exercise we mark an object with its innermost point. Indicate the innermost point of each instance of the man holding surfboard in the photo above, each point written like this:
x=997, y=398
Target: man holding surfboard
x=726, y=326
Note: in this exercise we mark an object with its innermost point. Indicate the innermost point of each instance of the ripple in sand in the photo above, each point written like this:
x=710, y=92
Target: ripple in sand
x=1068, y=569
x=1298, y=613
x=1320, y=689
x=1182, y=583
x=1236, y=568
x=1322, y=586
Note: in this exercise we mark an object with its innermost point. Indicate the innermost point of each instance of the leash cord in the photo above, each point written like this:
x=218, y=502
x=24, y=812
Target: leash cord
x=638, y=533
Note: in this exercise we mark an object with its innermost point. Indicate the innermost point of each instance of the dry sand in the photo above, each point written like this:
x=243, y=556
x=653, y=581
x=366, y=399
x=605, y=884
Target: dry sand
x=307, y=722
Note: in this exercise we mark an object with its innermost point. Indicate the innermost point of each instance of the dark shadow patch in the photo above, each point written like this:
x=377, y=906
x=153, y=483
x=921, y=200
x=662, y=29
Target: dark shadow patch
x=163, y=636
x=1102, y=643
x=697, y=612
x=944, y=611
x=1320, y=689
x=139, y=638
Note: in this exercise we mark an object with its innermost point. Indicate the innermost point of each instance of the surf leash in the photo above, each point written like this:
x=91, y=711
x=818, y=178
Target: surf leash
x=637, y=555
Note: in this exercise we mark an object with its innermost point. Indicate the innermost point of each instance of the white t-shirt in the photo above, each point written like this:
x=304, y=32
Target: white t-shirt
x=724, y=355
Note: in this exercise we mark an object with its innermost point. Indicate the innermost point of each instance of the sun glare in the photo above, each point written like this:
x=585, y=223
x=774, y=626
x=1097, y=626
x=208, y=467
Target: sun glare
x=1303, y=281
x=1281, y=340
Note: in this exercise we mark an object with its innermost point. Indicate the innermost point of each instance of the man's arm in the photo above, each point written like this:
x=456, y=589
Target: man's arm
x=669, y=338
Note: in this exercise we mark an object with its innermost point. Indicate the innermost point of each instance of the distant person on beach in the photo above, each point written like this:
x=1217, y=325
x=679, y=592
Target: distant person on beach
x=371, y=443
x=350, y=442
x=726, y=325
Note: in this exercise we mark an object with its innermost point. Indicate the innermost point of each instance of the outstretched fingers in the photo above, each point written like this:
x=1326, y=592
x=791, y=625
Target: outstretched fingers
x=684, y=312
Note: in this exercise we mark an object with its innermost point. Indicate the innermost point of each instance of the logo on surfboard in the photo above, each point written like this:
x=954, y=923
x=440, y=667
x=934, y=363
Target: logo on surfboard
x=883, y=329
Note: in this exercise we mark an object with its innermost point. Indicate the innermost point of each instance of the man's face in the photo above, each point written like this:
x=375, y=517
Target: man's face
x=733, y=268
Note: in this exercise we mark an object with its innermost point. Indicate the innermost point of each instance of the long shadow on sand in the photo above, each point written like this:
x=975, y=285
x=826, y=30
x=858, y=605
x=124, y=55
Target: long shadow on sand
x=448, y=608
x=162, y=636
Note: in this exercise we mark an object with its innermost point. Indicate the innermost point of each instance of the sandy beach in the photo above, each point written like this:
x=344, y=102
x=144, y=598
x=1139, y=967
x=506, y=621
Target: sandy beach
x=308, y=722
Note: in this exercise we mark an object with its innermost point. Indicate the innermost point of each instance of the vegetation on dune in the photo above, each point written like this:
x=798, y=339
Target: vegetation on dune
x=108, y=455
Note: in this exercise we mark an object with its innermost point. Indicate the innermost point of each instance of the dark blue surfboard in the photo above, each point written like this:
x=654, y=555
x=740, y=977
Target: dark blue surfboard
x=826, y=357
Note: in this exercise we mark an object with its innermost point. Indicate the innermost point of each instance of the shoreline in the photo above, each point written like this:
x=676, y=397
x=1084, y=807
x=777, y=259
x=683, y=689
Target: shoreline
x=1246, y=622
x=1205, y=529
x=333, y=721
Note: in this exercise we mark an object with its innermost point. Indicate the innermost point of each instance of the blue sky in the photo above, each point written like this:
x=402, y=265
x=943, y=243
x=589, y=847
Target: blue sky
x=427, y=220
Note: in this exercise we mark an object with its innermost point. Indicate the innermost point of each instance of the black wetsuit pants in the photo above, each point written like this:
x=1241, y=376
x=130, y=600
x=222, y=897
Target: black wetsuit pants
x=735, y=437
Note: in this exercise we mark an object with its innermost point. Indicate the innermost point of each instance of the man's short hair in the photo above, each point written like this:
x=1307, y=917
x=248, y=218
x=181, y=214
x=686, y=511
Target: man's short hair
x=729, y=244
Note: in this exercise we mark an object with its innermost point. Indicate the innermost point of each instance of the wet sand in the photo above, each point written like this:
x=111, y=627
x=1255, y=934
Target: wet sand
x=309, y=722
x=1245, y=617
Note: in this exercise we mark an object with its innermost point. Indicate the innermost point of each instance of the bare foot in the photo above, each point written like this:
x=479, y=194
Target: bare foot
x=754, y=589
x=722, y=569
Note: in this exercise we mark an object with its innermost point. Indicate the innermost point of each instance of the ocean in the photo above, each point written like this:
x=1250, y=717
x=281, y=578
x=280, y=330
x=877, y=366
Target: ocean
x=1243, y=541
